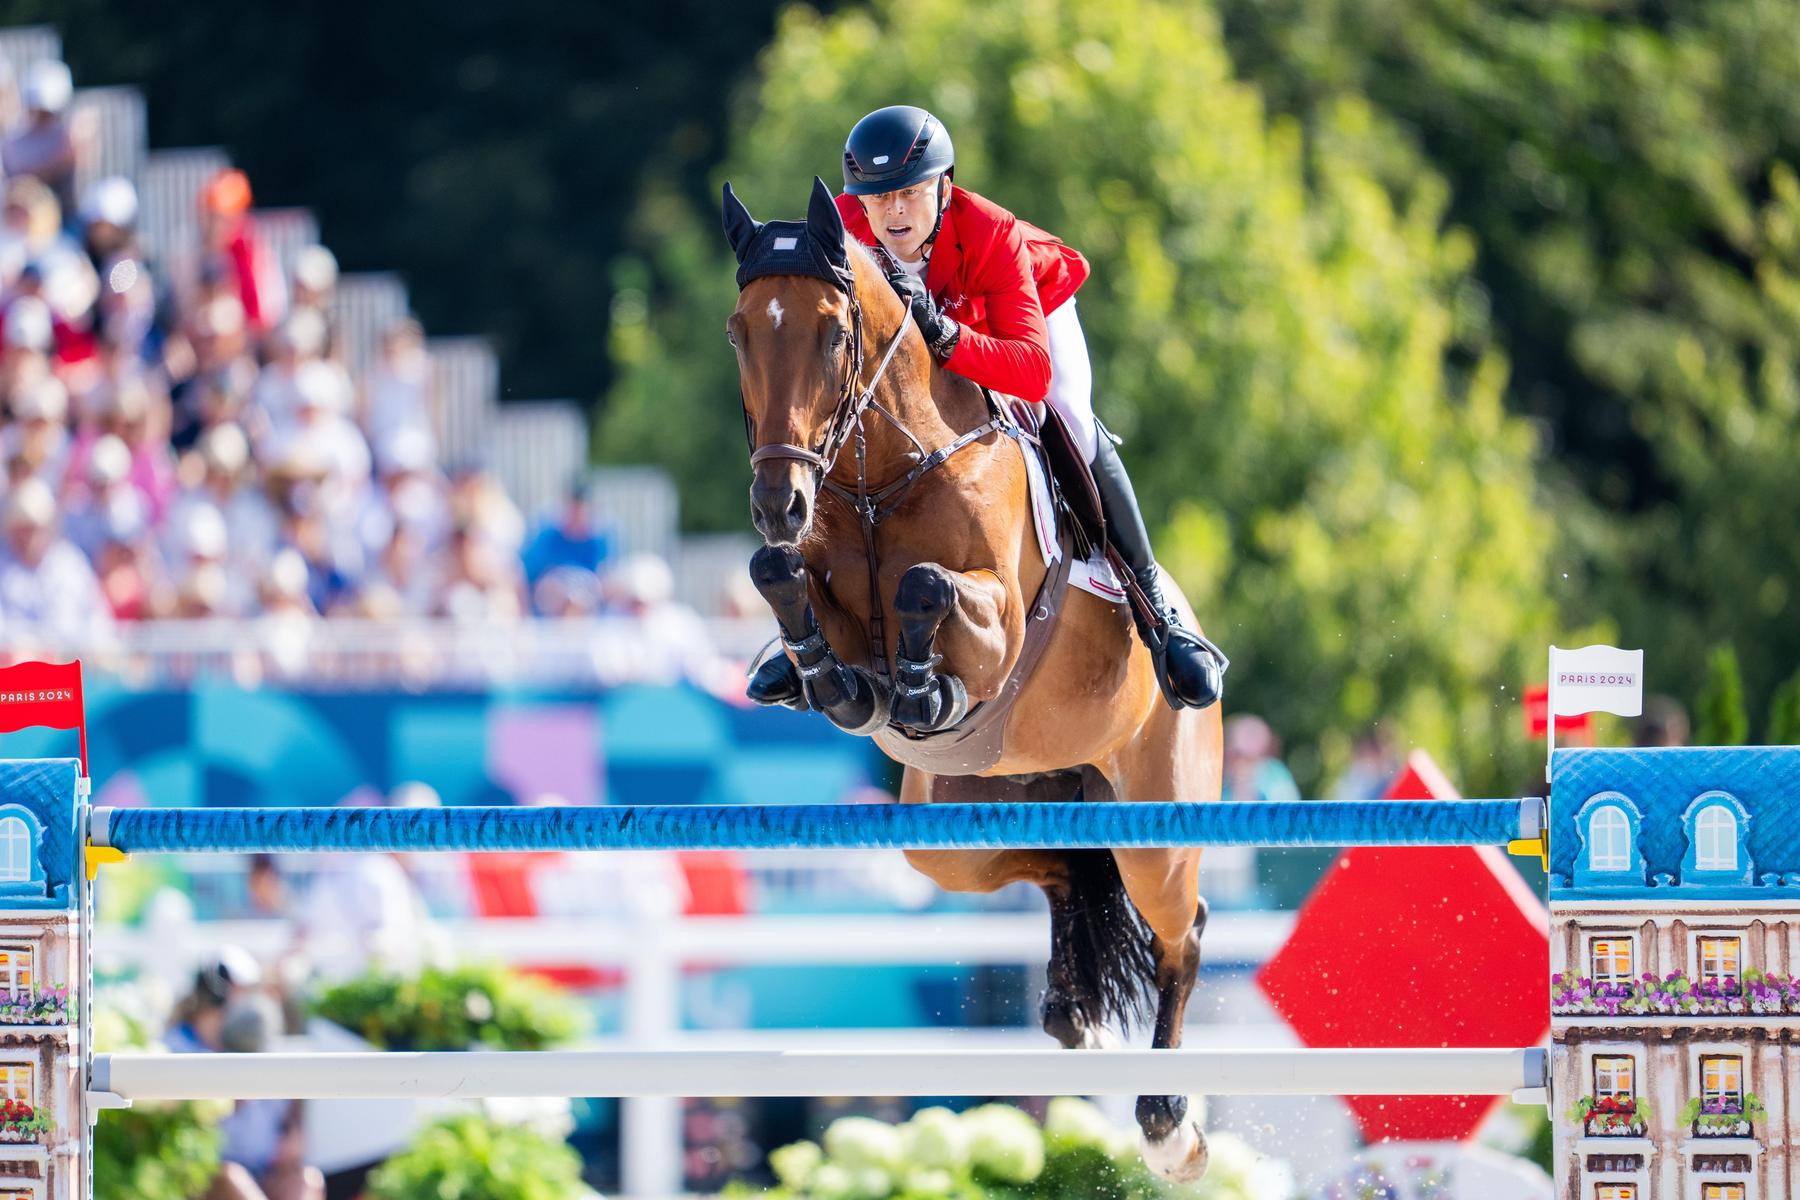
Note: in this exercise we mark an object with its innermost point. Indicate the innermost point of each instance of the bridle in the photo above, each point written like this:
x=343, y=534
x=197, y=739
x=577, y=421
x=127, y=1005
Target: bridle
x=853, y=404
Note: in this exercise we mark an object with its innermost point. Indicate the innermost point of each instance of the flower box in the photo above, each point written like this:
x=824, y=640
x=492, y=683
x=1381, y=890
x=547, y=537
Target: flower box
x=1723, y=1116
x=1612, y=1116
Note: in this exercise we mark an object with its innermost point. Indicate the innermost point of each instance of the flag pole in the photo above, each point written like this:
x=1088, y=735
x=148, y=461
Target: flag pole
x=1550, y=719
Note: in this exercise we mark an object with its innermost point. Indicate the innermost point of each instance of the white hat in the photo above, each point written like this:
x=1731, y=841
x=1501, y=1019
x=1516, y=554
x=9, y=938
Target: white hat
x=320, y=386
x=28, y=325
x=48, y=86
x=110, y=461
x=225, y=448
x=646, y=579
x=315, y=268
x=45, y=398
x=31, y=503
x=408, y=448
x=287, y=573
x=305, y=331
x=111, y=200
x=203, y=533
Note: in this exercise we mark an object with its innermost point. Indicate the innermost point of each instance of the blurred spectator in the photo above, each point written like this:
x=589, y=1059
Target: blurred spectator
x=129, y=411
x=480, y=582
x=672, y=641
x=566, y=592
x=315, y=280
x=229, y=240
x=1253, y=768
x=38, y=437
x=110, y=507
x=1664, y=722
x=42, y=261
x=43, y=147
x=1373, y=766
x=364, y=910
x=227, y=486
x=47, y=587
x=478, y=501
x=125, y=312
x=398, y=401
x=572, y=540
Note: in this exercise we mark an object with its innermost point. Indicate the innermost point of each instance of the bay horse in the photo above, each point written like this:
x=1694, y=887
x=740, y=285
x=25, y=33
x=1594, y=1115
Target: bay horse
x=884, y=484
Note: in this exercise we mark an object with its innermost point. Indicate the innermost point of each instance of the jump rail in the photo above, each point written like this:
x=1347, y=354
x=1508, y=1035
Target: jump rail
x=648, y=1073
x=1517, y=824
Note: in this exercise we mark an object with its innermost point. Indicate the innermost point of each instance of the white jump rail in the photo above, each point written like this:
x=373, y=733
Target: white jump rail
x=634, y=1073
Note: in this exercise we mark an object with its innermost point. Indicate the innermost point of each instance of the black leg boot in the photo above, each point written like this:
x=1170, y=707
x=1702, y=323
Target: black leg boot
x=1189, y=668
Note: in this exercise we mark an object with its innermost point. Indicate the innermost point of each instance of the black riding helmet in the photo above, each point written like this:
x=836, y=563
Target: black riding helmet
x=895, y=147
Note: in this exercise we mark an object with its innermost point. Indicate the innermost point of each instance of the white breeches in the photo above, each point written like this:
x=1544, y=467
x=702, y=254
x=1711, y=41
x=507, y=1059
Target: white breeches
x=1072, y=377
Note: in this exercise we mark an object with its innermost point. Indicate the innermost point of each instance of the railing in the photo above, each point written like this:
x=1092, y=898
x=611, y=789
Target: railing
x=587, y=652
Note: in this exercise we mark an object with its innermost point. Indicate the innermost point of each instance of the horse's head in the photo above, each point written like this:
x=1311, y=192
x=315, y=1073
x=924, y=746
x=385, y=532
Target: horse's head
x=798, y=341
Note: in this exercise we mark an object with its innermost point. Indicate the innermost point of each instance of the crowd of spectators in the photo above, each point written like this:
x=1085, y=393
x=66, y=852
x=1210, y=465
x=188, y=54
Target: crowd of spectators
x=182, y=437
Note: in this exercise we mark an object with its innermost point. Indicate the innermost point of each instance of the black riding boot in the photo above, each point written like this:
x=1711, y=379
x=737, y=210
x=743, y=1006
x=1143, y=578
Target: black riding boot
x=1190, y=669
x=775, y=680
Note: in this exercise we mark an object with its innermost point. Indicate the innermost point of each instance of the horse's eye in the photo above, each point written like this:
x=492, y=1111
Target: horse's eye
x=839, y=337
x=731, y=337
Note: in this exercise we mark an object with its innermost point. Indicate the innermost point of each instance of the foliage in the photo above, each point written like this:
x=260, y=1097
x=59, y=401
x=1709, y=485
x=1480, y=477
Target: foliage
x=152, y=1150
x=1612, y=1113
x=1628, y=169
x=1719, y=718
x=468, y=1157
x=1784, y=714
x=996, y=1152
x=453, y=1009
x=1292, y=350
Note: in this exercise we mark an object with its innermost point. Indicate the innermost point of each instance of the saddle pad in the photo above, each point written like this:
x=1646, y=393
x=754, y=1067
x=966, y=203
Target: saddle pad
x=1094, y=576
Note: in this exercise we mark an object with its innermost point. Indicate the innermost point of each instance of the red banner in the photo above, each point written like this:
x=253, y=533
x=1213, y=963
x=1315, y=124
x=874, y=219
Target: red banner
x=43, y=695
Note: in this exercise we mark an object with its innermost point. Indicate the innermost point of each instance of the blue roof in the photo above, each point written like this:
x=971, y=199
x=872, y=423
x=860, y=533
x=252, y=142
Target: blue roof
x=1659, y=789
x=44, y=789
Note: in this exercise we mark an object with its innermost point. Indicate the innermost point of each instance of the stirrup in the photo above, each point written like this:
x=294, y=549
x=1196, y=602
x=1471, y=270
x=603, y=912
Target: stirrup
x=780, y=681
x=1171, y=636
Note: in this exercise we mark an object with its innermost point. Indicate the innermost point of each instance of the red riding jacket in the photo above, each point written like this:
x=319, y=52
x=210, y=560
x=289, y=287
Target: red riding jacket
x=997, y=276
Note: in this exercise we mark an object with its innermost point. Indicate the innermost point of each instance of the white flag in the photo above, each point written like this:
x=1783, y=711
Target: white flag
x=1596, y=679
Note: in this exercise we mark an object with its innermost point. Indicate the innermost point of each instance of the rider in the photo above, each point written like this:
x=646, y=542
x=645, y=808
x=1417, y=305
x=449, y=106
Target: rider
x=995, y=300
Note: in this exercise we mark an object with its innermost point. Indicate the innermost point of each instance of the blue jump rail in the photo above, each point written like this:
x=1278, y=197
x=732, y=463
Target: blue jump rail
x=1518, y=824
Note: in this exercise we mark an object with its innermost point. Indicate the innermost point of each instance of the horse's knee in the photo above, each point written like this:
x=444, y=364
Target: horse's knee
x=926, y=592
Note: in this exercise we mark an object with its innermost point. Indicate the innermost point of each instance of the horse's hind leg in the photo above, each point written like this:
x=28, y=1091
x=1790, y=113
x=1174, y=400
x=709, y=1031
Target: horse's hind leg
x=849, y=696
x=967, y=607
x=1164, y=887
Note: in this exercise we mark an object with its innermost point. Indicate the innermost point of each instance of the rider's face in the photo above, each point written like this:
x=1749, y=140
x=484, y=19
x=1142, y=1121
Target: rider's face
x=903, y=219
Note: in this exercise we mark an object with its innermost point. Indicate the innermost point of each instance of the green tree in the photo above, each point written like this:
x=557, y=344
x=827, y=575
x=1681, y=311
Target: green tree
x=1784, y=714
x=1628, y=169
x=1286, y=339
x=1719, y=715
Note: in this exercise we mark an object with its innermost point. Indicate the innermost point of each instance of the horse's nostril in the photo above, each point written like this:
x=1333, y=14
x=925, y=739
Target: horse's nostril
x=796, y=508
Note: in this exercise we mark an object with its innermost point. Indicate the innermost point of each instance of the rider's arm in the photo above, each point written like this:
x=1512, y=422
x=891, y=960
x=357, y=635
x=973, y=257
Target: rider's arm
x=1014, y=355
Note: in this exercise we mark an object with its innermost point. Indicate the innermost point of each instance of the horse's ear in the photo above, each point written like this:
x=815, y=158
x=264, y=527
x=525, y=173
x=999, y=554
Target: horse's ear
x=740, y=227
x=825, y=225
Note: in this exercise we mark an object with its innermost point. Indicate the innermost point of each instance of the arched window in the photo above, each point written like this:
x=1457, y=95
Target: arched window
x=15, y=850
x=1716, y=840
x=1609, y=840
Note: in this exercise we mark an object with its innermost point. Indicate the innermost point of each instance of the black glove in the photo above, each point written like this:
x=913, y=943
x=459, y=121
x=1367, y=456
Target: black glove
x=941, y=330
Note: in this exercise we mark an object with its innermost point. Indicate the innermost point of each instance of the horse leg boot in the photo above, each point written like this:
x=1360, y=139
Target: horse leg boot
x=1189, y=668
x=923, y=699
x=848, y=695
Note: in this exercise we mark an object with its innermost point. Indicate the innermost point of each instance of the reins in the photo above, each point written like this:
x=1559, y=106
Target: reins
x=847, y=419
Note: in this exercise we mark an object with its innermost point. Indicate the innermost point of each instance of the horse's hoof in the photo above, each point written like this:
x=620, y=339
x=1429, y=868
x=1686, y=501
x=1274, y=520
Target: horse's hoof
x=1182, y=1157
x=1064, y=1021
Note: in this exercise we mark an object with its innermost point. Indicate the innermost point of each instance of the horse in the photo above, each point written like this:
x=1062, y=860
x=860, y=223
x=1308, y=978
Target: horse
x=882, y=482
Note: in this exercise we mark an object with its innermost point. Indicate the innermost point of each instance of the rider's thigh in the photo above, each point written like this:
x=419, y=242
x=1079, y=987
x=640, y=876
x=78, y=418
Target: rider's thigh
x=1072, y=377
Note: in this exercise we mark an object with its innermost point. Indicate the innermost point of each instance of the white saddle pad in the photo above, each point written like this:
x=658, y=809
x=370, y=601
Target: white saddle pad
x=1096, y=575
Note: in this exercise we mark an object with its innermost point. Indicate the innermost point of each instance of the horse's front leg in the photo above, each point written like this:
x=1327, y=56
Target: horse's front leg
x=959, y=613
x=848, y=695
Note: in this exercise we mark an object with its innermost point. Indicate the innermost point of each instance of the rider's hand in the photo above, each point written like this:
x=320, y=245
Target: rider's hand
x=941, y=330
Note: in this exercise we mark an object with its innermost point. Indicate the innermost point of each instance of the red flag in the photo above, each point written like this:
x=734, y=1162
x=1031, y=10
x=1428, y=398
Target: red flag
x=43, y=695
x=1537, y=715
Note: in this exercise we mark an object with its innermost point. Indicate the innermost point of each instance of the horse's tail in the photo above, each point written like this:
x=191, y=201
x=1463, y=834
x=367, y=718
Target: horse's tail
x=1110, y=953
